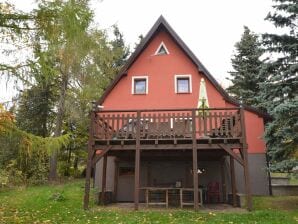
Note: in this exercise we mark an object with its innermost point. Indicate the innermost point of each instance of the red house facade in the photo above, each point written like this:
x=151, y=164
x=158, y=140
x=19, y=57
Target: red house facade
x=151, y=140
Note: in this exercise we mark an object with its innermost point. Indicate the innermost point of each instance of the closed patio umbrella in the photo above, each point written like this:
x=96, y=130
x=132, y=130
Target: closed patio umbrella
x=203, y=98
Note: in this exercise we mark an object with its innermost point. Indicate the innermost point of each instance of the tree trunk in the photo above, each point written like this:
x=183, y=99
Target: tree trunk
x=67, y=169
x=47, y=96
x=75, y=166
x=58, y=126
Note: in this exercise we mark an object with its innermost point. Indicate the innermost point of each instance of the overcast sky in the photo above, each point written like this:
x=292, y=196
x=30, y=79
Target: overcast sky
x=209, y=27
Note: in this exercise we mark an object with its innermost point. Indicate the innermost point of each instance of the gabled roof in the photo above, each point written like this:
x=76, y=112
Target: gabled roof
x=162, y=24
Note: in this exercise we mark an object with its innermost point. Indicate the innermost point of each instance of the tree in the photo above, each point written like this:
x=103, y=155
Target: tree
x=246, y=64
x=16, y=28
x=35, y=111
x=84, y=60
x=63, y=26
x=120, y=50
x=140, y=39
x=23, y=156
x=70, y=66
x=280, y=89
x=104, y=62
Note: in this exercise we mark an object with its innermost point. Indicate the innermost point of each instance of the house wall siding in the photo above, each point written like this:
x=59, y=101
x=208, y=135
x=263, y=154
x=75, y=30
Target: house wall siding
x=259, y=181
x=161, y=71
x=254, y=131
x=110, y=174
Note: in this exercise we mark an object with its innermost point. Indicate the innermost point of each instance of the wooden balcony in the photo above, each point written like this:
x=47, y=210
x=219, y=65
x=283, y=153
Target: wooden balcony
x=146, y=134
x=168, y=126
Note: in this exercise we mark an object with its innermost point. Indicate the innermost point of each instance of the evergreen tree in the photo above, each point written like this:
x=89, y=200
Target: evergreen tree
x=280, y=89
x=246, y=64
x=140, y=38
x=120, y=50
x=35, y=111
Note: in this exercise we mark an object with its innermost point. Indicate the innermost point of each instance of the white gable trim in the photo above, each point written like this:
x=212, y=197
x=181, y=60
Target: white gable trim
x=161, y=45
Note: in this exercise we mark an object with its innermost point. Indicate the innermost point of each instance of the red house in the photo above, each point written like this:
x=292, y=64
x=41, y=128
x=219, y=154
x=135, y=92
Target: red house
x=169, y=134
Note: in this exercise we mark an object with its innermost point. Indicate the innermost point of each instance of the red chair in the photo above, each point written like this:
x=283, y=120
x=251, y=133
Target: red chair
x=213, y=192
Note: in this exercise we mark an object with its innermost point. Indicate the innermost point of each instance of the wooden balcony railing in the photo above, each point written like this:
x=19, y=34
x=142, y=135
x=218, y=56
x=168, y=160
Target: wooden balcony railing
x=168, y=124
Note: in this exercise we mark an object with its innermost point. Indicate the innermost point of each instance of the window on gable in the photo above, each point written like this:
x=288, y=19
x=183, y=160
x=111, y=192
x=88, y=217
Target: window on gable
x=140, y=85
x=183, y=84
x=162, y=49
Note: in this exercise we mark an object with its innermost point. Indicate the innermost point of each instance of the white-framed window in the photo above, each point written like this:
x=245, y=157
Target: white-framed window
x=162, y=49
x=183, y=84
x=139, y=85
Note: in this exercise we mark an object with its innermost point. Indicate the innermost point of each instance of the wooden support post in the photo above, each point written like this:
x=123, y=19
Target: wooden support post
x=149, y=174
x=89, y=162
x=116, y=176
x=194, y=161
x=223, y=180
x=147, y=197
x=245, y=165
x=104, y=179
x=137, y=163
x=247, y=182
x=233, y=181
x=167, y=198
x=181, y=198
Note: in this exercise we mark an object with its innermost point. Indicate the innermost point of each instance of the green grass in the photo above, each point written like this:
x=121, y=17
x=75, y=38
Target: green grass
x=294, y=181
x=38, y=205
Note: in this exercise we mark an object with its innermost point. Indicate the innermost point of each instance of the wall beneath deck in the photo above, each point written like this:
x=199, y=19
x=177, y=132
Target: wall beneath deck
x=156, y=173
x=110, y=174
x=258, y=175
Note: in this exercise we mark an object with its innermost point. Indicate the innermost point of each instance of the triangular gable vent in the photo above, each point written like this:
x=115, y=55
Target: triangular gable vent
x=162, y=49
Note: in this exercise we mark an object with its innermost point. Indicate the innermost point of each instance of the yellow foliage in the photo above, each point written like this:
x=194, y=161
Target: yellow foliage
x=5, y=115
x=29, y=143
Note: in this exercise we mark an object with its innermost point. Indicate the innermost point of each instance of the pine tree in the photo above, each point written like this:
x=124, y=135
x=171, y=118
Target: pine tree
x=35, y=112
x=120, y=50
x=246, y=64
x=280, y=89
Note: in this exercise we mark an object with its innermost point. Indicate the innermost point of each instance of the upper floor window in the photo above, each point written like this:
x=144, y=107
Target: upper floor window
x=183, y=84
x=139, y=85
x=162, y=49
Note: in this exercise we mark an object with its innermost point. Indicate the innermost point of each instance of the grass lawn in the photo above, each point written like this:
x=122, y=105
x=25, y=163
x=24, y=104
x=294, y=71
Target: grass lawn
x=63, y=204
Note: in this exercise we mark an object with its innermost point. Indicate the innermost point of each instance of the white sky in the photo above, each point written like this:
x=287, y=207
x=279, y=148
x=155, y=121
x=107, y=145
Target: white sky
x=210, y=28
